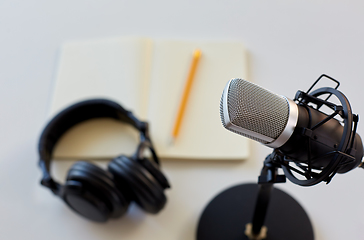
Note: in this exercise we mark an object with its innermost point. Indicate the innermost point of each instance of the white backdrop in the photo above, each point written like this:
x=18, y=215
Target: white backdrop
x=290, y=43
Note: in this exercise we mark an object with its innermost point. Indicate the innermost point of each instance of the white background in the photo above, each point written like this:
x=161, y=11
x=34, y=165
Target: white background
x=290, y=43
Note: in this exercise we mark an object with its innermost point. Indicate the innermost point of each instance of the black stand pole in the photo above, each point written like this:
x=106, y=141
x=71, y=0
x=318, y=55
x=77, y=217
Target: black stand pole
x=268, y=176
x=276, y=215
x=261, y=207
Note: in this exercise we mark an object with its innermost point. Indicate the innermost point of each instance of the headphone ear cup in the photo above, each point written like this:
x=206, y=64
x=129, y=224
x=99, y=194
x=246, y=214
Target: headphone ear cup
x=146, y=190
x=153, y=169
x=90, y=191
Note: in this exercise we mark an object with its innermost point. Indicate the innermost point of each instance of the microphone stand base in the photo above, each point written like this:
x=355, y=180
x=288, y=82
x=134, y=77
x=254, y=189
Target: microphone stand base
x=226, y=216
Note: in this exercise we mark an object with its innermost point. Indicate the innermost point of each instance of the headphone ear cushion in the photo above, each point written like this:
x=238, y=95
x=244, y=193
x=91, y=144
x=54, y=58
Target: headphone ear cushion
x=153, y=169
x=147, y=191
x=100, y=183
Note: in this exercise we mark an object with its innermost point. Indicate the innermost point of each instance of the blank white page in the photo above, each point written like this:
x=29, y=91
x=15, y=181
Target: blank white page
x=117, y=69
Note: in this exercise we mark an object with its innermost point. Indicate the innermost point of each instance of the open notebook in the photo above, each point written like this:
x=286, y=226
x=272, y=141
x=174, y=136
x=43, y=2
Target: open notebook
x=147, y=76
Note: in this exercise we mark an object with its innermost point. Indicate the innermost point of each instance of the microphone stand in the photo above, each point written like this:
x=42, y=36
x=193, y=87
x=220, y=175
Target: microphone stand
x=276, y=215
x=268, y=176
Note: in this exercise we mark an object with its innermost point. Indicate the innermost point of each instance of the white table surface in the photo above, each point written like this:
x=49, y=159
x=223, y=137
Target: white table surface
x=290, y=43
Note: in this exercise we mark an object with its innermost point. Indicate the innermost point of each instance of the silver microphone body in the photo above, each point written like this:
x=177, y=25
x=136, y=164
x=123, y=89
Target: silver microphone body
x=256, y=113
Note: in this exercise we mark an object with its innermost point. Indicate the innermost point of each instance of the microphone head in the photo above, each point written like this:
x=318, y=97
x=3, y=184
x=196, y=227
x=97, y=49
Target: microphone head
x=254, y=112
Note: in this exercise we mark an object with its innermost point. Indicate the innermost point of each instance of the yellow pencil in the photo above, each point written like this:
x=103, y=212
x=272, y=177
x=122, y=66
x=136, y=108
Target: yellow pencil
x=186, y=92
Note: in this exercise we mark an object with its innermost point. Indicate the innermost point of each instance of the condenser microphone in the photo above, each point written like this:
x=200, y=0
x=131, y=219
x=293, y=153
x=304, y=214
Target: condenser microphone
x=298, y=129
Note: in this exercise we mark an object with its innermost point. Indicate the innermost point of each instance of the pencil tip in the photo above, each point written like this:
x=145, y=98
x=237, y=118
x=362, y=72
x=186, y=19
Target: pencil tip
x=171, y=141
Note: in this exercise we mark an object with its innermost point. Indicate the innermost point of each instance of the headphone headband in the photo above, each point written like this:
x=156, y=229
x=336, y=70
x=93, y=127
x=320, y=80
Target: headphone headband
x=74, y=114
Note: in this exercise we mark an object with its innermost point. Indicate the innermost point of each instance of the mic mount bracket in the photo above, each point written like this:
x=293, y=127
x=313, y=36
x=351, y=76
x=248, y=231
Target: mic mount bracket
x=320, y=78
x=343, y=153
x=269, y=172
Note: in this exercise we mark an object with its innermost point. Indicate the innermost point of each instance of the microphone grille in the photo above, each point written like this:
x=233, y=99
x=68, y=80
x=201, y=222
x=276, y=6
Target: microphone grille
x=256, y=109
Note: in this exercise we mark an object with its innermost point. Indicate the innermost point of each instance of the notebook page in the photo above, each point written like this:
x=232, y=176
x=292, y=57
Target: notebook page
x=201, y=135
x=117, y=69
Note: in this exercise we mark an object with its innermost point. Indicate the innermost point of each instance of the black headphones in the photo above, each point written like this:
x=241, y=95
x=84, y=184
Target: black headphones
x=93, y=192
